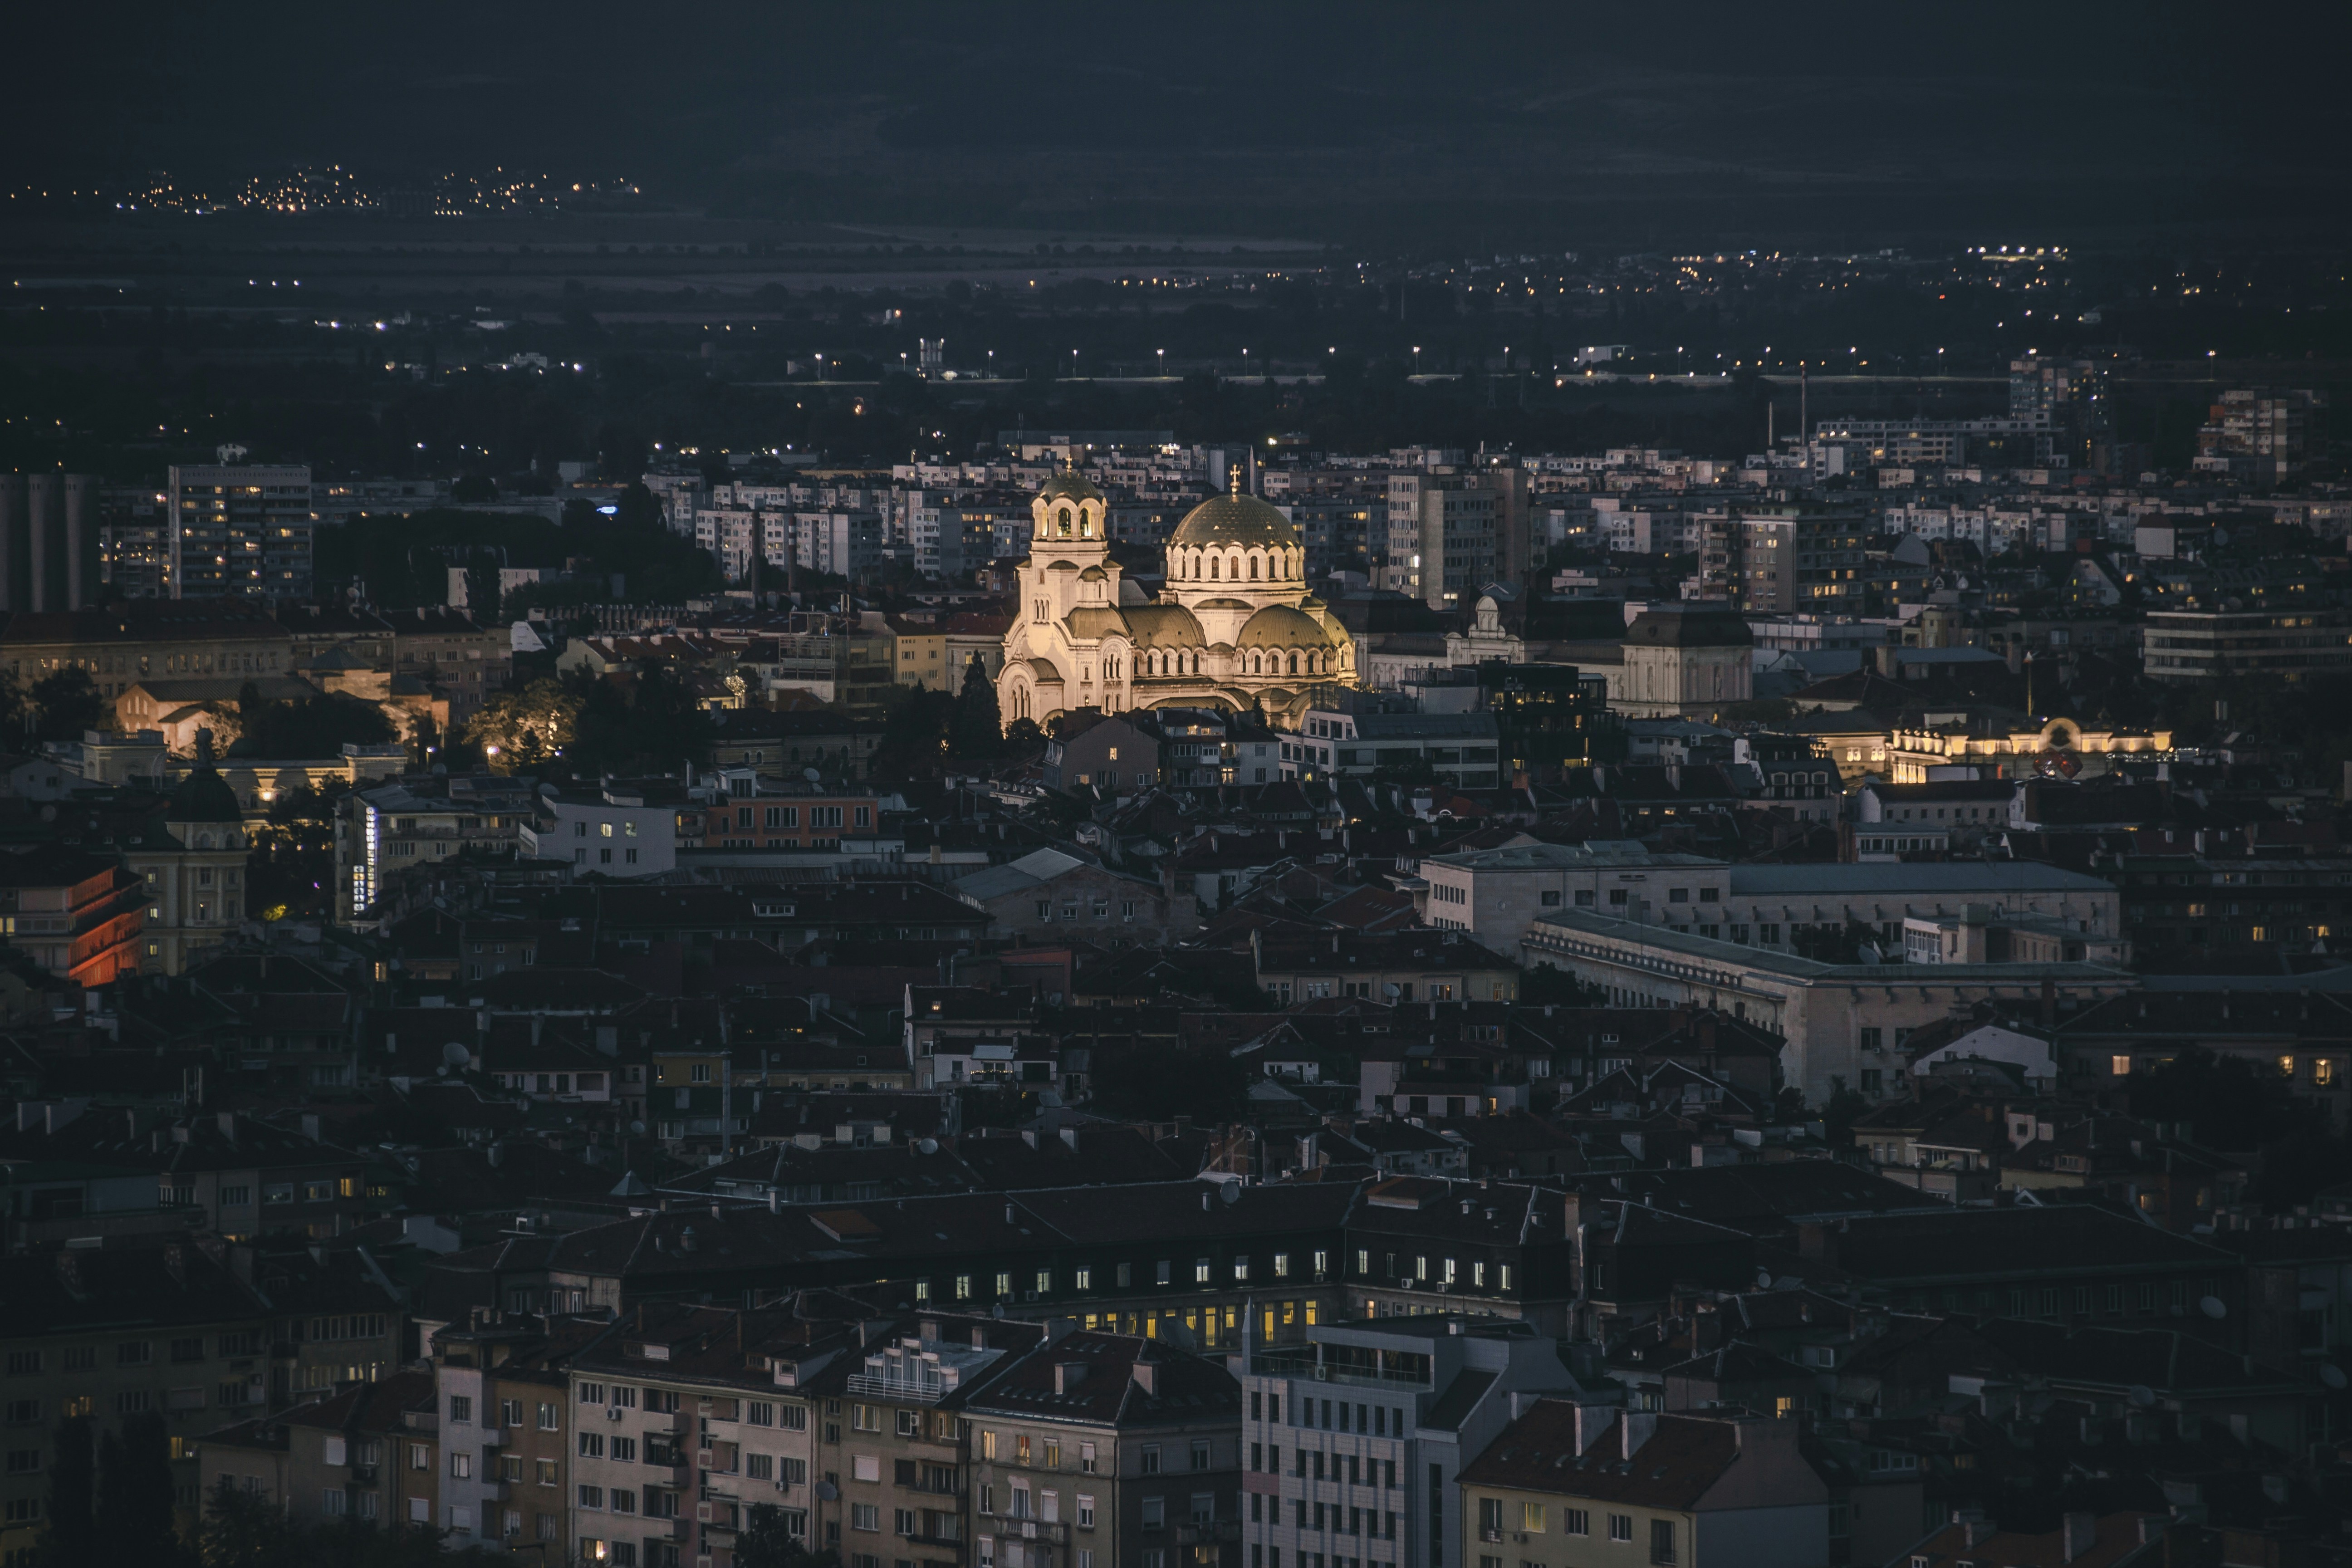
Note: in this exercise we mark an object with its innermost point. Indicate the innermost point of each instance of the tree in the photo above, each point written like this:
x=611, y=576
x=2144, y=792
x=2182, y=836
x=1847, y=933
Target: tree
x=135, y=1525
x=72, y=1533
x=314, y=727
x=473, y=488
x=65, y=703
x=527, y=727
x=482, y=588
x=979, y=729
x=915, y=738
x=764, y=1543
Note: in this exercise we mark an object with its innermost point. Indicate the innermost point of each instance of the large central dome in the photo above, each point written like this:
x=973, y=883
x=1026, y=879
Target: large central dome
x=1239, y=519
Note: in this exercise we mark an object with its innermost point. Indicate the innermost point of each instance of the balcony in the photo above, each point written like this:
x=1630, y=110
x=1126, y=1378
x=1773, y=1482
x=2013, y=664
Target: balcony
x=1208, y=1531
x=1051, y=1532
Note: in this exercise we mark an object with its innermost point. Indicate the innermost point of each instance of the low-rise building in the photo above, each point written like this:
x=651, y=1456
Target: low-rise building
x=1586, y=1487
x=1845, y=1023
x=1495, y=894
x=77, y=915
x=620, y=828
x=1057, y=894
x=1109, y=1447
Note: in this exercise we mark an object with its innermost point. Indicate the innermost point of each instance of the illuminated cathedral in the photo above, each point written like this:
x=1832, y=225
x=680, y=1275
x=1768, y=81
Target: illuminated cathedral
x=1234, y=626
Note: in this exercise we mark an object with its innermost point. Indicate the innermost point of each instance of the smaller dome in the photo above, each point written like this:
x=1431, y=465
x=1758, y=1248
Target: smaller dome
x=1094, y=574
x=1279, y=626
x=1070, y=485
x=204, y=796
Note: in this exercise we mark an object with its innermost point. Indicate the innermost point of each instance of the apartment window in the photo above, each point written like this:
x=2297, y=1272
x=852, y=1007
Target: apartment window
x=1532, y=1518
x=1200, y=1453
x=1150, y=1457
x=461, y=1409
x=1662, y=1541
x=865, y=1516
x=1575, y=1521
x=1621, y=1527
x=133, y=1352
x=1085, y=1511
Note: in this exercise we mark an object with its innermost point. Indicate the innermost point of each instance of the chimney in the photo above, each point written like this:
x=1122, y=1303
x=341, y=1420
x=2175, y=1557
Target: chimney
x=1147, y=1376
x=228, y=1125
x=1068, y=1374
x=1592, y=1421
x=1637, y=1427
x=1976, y=1532
x=2078, y=1534
x=311, y=1126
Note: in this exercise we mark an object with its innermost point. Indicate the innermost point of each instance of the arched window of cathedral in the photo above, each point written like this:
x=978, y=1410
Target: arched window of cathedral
x=1212, y=565
x=1237, y=566
x=1086, y=523
x=1293, y=663
x=1253, y=568
x=1065, y=521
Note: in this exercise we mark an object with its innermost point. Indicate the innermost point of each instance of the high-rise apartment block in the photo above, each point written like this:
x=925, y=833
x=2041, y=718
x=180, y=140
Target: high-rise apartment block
x=239, y=529
x=2258, y=435
x=1793, y=559
x=1443, y=540
x=48, y=526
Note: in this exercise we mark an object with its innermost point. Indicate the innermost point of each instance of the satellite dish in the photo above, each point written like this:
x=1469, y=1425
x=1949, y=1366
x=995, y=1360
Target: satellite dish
x=1232, y=1193
x=453, y=1055
x=637, y=1126
x=812, y=776
x=997, y=1311
x=2213, y=1307
x=828, y=1492
x=1763, y=1280
x=926, y=1146
x=2333, y=1375
x=2142, y=1396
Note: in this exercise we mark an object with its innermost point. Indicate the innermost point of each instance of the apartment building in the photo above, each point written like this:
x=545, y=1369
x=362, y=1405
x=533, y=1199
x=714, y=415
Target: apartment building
x=752, y=811
x=615, y=828
x=79, y=915
x=1581, y=1485
x=2246, y=645
x=500, y=1390
x=369, y=1452
x=1796, y=559
x=896, y=1450
x=1444, y=537
x=683, y=1418
x=394, y=828
x=1101, y=1450
x=190, y=1328
x=239, y=529
x=1356, y=1437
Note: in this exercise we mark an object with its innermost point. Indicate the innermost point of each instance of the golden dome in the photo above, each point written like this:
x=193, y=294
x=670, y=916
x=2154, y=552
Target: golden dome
x=1279, y=626
x=1069, y=485
x=1237, y=519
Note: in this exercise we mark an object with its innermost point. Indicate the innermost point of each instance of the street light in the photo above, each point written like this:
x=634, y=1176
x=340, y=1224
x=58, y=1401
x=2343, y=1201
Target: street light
x=1416, y=359
x=1073, y=364
x=1163, y=363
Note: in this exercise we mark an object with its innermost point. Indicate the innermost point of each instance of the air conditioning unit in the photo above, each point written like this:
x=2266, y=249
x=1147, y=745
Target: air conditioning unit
x=612, y=1413
x=703, y=1513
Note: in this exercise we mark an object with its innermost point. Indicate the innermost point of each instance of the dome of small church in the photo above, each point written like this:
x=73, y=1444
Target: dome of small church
x=204, y=796
x=1239, y=519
